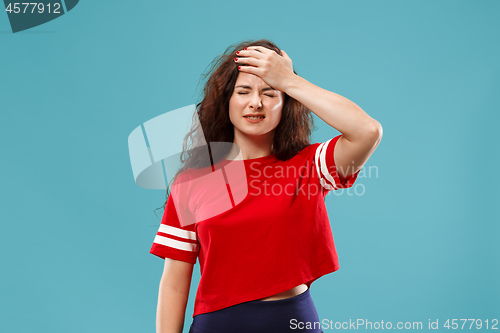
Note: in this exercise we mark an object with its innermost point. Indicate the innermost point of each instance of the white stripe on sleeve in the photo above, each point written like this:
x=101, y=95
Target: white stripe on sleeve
x=167, y=229
x=192, y=247
x=321, y=167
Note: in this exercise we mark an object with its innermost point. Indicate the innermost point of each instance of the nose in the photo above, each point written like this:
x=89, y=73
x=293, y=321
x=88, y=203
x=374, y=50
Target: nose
x=255, y=102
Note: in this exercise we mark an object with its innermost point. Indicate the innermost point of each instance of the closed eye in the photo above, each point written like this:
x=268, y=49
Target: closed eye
x=245, y=93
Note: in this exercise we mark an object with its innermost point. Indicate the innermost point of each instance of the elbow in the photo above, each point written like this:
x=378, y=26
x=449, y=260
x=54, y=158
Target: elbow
x=369, y=132
x=374, y=132
x=377, y=130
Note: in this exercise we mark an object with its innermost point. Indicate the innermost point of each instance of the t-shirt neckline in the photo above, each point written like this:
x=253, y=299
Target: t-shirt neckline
x=256, y=159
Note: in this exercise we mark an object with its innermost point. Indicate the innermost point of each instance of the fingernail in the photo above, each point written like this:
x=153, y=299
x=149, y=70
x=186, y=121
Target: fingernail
x=237, y=52
x=235, y=59
x=245, y=48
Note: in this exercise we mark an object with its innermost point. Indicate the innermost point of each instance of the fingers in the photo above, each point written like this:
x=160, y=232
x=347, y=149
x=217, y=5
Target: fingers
x=248, y=61
x=252, y=54
x=257, y=59
x=259, y=52
x=251, y=51
x=260, y=49
x=250, y=70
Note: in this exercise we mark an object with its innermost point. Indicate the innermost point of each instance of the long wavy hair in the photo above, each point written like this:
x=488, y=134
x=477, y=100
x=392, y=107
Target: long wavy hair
x=292, y=133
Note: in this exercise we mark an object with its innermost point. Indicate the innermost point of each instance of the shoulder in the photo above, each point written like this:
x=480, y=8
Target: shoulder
x=307, y=152
x=190, y=174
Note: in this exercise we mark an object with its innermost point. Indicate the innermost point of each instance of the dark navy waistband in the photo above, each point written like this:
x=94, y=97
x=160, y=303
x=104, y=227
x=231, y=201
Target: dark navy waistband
x=274, y=316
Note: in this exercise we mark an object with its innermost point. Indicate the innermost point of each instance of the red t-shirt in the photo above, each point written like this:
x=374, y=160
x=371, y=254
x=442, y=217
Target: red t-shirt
x=268, y=237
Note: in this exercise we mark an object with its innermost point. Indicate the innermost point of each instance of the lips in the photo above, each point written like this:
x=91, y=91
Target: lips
x=254, y=118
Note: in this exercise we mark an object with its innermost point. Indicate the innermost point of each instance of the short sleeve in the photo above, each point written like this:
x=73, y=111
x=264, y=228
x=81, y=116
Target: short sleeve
x=326, y=168
x=173, y=240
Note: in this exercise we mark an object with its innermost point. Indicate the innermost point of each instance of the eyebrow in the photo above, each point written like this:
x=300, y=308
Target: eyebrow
x=248, y=87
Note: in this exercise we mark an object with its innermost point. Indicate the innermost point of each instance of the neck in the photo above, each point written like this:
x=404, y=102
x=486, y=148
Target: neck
x=252, y=146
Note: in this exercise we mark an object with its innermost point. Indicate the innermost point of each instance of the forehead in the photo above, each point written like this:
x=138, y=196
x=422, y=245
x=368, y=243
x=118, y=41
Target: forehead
x=250, y=80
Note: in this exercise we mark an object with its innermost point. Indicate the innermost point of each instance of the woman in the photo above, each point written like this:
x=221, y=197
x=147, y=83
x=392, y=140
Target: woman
x=259, y=257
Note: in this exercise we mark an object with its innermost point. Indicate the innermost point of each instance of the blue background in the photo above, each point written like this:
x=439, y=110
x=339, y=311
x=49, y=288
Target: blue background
x=422, y=241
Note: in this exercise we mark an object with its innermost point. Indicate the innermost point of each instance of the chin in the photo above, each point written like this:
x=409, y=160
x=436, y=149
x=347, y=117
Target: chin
x=254, y=132
x=249, y=133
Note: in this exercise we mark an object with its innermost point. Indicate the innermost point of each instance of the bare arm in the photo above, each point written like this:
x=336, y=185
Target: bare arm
x=173, y=296
x=361, y=134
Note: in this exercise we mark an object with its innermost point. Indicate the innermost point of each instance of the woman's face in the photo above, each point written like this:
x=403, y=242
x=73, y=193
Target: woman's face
x=252, y=96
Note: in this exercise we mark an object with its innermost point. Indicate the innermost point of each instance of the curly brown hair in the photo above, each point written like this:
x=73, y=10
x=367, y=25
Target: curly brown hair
x=292, y=133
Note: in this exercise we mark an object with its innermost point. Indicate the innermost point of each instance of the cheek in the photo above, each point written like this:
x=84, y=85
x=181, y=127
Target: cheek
x=276, y=103
x=277, y=118
x=232, y=109
x=276, y=108
x=235, y=102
